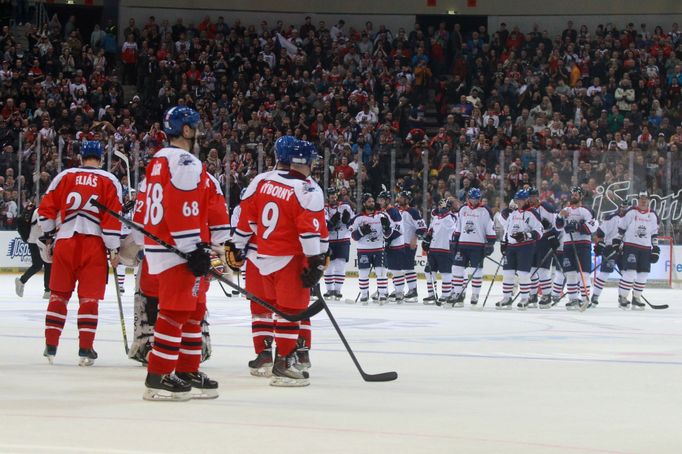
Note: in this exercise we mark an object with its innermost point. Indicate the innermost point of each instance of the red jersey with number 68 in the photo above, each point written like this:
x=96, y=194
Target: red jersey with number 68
x=177, y=193
x=286, y=212
x=67, y=205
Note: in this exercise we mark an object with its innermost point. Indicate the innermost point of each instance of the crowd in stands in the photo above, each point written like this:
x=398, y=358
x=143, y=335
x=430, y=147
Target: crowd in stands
x=467, y=101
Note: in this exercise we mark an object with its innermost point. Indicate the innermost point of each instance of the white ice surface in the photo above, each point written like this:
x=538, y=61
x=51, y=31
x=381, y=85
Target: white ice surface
x=603, y=381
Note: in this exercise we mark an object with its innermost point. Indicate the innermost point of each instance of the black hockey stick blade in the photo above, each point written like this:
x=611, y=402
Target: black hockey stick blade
x=312, y=310
x=382, y=377
x=655, y=306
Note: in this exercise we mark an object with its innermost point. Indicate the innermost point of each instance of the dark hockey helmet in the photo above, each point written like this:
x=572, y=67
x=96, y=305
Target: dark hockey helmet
x=332, y=190
x=366, y=196
x=579, y=190
x=533, y=192
x=407, y=195
x=384, y=195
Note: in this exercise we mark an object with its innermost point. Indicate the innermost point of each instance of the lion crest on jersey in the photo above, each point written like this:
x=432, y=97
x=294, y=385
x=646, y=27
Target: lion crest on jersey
x=641, y=231
x=469, y=227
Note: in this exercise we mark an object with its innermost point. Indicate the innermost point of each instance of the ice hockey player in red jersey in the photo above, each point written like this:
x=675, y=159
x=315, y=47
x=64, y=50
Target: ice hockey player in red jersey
x=177, y=209
x=285, y=212
x=79, y=236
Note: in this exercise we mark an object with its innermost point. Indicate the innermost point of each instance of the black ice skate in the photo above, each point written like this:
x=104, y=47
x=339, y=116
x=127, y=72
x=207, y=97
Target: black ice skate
x=391, y=296
x=623, y=302
x=556, y=298
x=87, y=357
x=505, y=304
x=399, y=297
x=50, y=352
x=573, y=305
x=546, y=302
x=383, y=299
x=328, y=294
x=364, y=299
x=262, y=365
x=337, y=295
x=594, y=302
x=474, y=300
x=429, y=300
x=202, y=386
x=533, y=301
x=166, y=387
x=285, y=373
x=302, y=355
x=637, y=304
x=411, y=296
x=522, y=305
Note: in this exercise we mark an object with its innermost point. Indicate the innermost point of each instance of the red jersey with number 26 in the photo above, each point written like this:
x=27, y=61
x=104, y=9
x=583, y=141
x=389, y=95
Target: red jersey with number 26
x=286, y=212
x=176, y=201
x=67, y=205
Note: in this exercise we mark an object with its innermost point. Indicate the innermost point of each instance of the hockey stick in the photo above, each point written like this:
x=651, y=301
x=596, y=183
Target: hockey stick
x=120, y=310
x=466, y=284
x=312, y=310
x=653, y=306
x=384, y=376
x=357, y=297
x=586, y=298
x=535, y=273
x=497, y=270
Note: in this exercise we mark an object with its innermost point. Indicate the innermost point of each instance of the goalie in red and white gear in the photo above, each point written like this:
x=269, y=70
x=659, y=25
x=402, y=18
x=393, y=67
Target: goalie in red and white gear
x=285, y=212
x=638, y=240
x=78, y=235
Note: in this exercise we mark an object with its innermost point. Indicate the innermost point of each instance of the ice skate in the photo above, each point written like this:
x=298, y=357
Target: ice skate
x=545, y=302
x=623, y=302
x=594, y=301
x=166, y=387
x=391, y=296
x=262, y=365
x=399, y=298
x=556, y=298
x=449, y=301
x=375, y=297
x=328, y=294
x=46, y=295
x=429, y=300
x=19, y=287
x=411, y=296
x=364, y=299
x=285, y=373
x=202, y=386
x=474, y=300
x=50, y=352
x=458, y=300
x=637, y=304
x=383, y=299
x=522, y=305
x=533, y=301
x=337, y=295
x=573, y=305
x=302, y=356
x=87, y=357
x=504, y=304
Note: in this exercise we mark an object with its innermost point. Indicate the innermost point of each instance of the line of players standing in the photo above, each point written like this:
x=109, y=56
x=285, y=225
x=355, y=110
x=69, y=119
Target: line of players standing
x=543, y=248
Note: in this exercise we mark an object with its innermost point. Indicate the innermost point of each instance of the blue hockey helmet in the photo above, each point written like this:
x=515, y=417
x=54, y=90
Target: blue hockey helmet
x=92, y=149
x=521, y=194
x=177, y=117
x=303, y=153
x=474, y=193
x=283, y=148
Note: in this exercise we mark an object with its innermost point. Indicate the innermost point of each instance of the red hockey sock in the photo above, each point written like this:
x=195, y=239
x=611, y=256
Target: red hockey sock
x=190, y=346
x=55, y=317
x=87, y=322
x=262, y=327
x=305, y=333
x=286, y=335
x=167, y=337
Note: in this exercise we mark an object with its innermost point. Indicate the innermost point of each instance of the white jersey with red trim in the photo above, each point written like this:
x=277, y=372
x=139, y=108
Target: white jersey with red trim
x=586, y=224
x=67, y=205
x=522, y=221
x=638, y=228
x=413, y=225
x=286, y=214
x=339, y=233
x=177, y=199
x=474, y=226
x=374, y=240
x=442, y=228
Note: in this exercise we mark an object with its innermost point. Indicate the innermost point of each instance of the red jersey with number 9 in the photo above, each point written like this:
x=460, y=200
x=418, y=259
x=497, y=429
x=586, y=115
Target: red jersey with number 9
x=286, y=212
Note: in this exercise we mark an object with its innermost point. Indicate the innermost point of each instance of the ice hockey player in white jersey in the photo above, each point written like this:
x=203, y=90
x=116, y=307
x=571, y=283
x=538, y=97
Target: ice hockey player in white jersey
x=522, y=228
x=369, y=229
x=395, y=246
x=474, y=239
x=603, y=247
x=413, y=228
x=638, y=236
x=437, y=245
x=578, y=225
x=541, y=277
x=339, y=216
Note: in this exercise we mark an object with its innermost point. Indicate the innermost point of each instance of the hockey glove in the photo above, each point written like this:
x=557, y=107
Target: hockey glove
x=345, y=217
x=655, y=254
x=503, y=247
x=114, y=258
x=519, y=237
x=616, y=245
x=488, y=249
x=128, y=207
x=426, y=245
x=199, y=261
x=217, y=264
x=334, y=221
x=546, y=224
x=365, y=229
x=46, y=246
x=571, y=227
x=234, y=257
x=315, y=270
x=385, y=223
x=599, y=247
x=553, y=241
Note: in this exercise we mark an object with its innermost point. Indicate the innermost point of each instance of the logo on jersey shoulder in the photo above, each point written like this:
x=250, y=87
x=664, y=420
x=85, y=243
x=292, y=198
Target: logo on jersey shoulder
x=17, y=248
x=186, y=159
x=307, y=187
